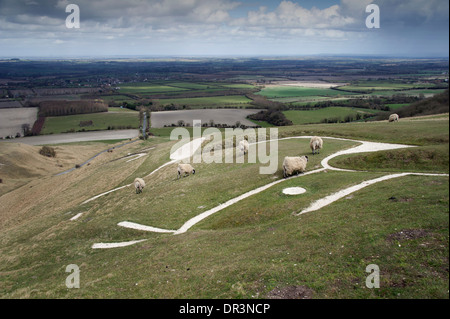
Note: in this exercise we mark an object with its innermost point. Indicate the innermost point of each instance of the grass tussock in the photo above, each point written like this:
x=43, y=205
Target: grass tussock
x=47, y=151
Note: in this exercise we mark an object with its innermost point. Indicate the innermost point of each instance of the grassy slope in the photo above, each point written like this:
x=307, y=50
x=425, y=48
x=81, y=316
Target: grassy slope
x=316, y=116
x=247, y=249
x=210, y=102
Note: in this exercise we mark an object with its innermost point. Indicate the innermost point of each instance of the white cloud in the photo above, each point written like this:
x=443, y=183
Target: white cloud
x=291, y=15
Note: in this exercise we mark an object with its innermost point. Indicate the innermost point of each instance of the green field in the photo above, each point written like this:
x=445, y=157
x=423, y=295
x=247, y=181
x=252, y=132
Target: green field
x=286, y=92
x=210, y=102
x=101, y=121
x=427, y=93
x=396, y=106
x=316, y=116
x=117, y=98
x=385, y=86
x=192, y=86
x=237, y=86
x=147, y=88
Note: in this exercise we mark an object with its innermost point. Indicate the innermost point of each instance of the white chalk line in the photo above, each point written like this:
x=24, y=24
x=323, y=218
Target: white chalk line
x=103, y=194
x=116, y=245
x=144, y=228
x=187, y=151
x=191, y=222
x=363, y=148
x=345, y=192
x=233, y=201
x=76, y=216
x=137, y=156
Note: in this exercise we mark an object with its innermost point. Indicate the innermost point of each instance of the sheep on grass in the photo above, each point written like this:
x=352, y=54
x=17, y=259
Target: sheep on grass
x=394, y=118
x=316, y=144
x=294, y=165
x=243, y=146
x=139, y=184
x=185, y=170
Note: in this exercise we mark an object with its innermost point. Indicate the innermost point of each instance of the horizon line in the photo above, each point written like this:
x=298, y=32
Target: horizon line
x=222, y=56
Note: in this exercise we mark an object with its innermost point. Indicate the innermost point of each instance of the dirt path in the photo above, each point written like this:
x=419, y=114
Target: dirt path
x=77, y=137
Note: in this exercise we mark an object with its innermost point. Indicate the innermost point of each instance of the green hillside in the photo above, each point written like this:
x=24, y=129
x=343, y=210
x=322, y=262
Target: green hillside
x=247, y=249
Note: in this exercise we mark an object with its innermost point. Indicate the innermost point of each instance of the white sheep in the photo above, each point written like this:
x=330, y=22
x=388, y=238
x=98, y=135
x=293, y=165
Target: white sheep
x=316, y=144
x=185, y=170
x=243, y=146
x=139, y=184
x=292, y=165
x=394, y=118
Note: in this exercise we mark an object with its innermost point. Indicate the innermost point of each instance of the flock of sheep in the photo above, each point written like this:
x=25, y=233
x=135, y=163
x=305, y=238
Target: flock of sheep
x=291, y=165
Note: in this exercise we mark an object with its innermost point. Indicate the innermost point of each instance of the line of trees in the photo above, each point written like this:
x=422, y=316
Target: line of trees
x=62, y=108
x=273, y=113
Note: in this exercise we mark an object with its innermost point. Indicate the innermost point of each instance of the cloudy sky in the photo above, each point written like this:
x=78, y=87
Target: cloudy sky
x=223, y=28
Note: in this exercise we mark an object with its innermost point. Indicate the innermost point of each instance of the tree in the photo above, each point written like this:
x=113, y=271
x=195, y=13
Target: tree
x=26, y=129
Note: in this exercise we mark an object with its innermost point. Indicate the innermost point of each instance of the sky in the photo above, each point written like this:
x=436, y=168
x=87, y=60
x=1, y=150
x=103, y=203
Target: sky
x=408, y=28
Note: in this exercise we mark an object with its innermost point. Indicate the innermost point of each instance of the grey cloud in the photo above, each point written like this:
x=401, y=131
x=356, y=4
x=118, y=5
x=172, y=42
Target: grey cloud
x=162, y=22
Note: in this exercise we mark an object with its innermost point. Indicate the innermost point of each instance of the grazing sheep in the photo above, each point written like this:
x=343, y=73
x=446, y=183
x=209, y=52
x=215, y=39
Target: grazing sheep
x=243, y=146
x=292, y=165
x=139, y=184
x=394, y=118
x=185, y=170
x=316, y=144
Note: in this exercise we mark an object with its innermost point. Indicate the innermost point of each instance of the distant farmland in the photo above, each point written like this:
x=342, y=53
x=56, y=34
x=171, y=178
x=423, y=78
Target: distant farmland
x=219, y=116
x=290, y=91
x=210, y=102
x=100, y=121
x=149, y=88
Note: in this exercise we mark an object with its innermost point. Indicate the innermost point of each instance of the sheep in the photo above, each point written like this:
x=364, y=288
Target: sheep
x=243, y=146
x=316, y=144
x=394, y=118
x=293, y=165
x=139, y=184
x=185, y=170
